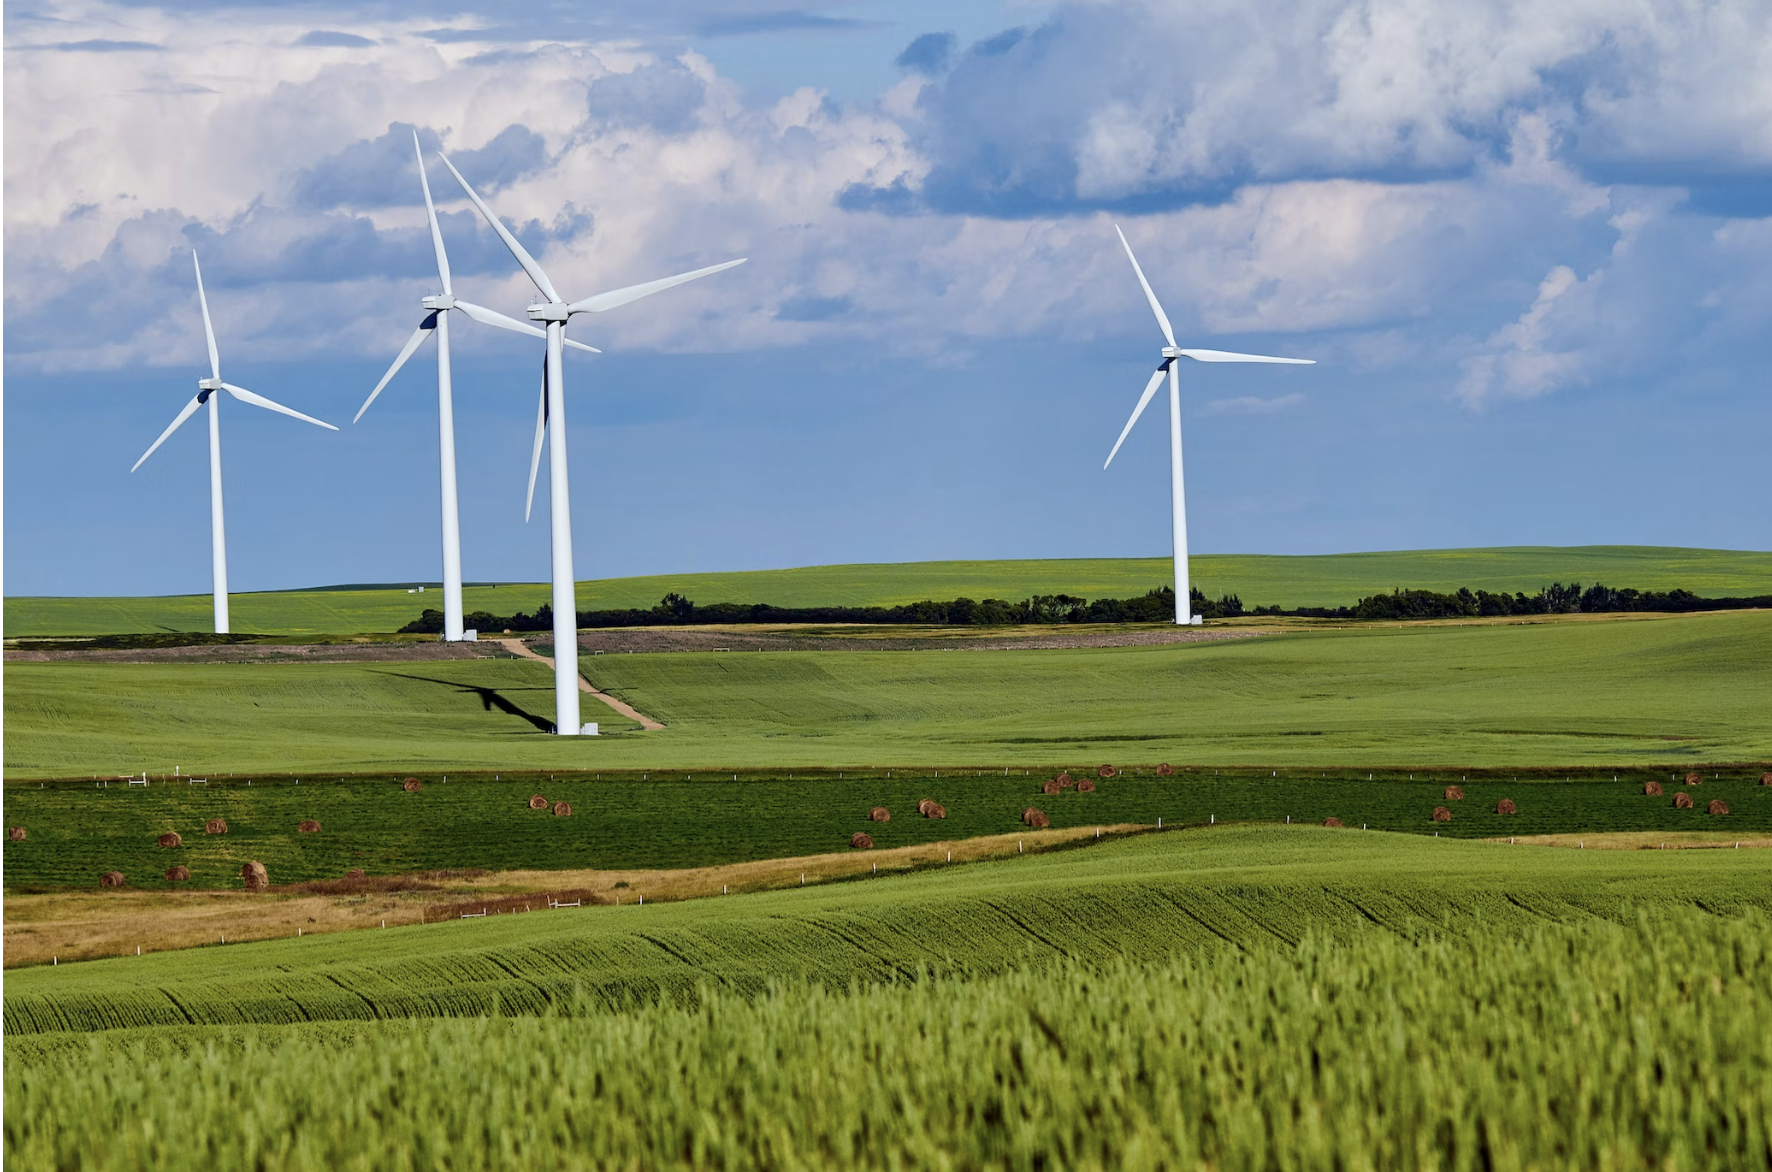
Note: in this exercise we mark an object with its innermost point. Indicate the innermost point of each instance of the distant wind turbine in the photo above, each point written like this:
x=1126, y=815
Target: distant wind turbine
x=436, y=321
x=555, y=312
x=1169, y=366
x=206, y=393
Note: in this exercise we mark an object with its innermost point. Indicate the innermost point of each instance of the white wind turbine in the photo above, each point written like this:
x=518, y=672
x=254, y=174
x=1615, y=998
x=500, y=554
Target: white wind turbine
x=1169, y=366
x=436, y=321
x=555, y=312
x=206, y=393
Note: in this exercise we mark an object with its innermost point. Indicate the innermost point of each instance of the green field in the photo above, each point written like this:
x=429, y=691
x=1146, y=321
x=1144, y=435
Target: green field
x=1329, y=580
x=1691, y=688
x=1230, y=998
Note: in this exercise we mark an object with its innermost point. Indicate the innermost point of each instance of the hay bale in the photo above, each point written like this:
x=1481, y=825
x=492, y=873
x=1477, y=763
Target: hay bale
x=537, y=802
x=354, y=873
x=879, y=814
x=1165, y=770
x=1106, y=771
x=216, y=826
x=1682, y=801
x=1035, y=818
x=1766, y=779
x=923, y=806
x=169, y=839
x=1652, y=788
x=1086, y=786
x=1506, y=806
x=1334, y=822
x=111, y=879
x=255, y=876
x=1717, y=806
x=309, y=826
x=1064, y=779
x=1442, y=814
x=1454, y=794
x=412, y=785
x=861, y=842
x=178, y=874
x=16, y=833
x=1695, y=779
x=562, y=809
x=936, y=810
x=1050, y=787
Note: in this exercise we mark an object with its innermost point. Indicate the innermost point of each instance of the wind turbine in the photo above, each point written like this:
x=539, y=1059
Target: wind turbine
x=206, y=393
x=436, y=321
x=555, y=311
x=1170, y=366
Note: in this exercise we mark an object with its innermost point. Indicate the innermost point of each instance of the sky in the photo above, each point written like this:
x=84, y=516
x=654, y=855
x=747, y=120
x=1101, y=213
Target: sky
x=1528, y=242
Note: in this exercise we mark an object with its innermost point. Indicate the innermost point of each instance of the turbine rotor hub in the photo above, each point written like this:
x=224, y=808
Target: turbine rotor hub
x=551, y=311
x=439, y=302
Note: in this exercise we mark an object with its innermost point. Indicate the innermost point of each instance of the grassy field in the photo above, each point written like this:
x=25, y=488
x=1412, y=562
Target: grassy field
x=1330, y=580
x=1640, y=691
x=1580, y=1046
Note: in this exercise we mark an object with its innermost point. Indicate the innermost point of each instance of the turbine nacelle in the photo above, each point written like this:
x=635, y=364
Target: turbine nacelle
x=438, y=302
x=208, y=386
x=551, y=311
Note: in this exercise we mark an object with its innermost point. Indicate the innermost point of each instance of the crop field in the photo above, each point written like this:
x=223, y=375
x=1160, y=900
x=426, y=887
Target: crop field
x=1628, y=692
x=1326, y=580
x=1238, y=997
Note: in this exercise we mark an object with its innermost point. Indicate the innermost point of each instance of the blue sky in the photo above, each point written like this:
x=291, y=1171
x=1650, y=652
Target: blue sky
x=1530, y=246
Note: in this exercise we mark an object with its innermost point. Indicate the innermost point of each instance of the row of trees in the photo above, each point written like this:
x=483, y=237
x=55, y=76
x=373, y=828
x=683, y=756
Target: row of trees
x=1156, y=606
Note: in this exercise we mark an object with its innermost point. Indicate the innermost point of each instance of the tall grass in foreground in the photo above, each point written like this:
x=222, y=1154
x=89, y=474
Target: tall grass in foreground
x=1593, y=1047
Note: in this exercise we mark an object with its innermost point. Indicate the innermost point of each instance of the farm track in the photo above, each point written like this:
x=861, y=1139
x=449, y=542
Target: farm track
x=522, y=651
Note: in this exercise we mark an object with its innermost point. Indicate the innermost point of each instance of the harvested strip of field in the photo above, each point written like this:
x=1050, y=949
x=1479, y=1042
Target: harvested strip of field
x=73, y=926
x=640, y=640
x=1643, y=840
x=383, y=650
x=521, y=649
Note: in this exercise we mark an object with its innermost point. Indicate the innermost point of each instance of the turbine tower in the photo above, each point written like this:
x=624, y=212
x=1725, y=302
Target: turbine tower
x=206, y=393
x=555, y=311
x=436, y=321
x=1170, y=366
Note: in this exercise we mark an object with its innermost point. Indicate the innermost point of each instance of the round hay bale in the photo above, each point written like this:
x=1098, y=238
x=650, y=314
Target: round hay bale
x=412, y=785
x=169, y=839
x=1064, y=779
x=1035, y=818
x=1106, y=771
x=1652, y=788
x=861, y=842
x=1766, y=779
x=1695, y=779
x=879, y=814
x=1165, y=770
x=1442, y=814
x=1086, y=786
x=1050, y=787
x=1682, y=801
x=111, y=879
x=1454, y=794
x=562, y=809
x=178, y=874
x=15, y=833
x=308, y=827
x=1717, y=806
x=936, y=810
x=923, y=806
x=216, y=826
x=354, y=873
x=255, y=876
x=1506, y=806
x=1334, y=822
x=537, y=802
x=1065, y=784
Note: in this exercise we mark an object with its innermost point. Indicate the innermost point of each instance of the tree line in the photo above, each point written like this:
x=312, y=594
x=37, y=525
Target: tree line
x=1155, y=606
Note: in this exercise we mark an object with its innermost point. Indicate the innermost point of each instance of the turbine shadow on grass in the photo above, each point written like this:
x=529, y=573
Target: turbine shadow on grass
x=489, y=699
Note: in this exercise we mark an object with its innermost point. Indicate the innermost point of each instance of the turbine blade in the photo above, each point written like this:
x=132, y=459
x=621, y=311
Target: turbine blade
x=541, y=423
x=190, y=410
x=1162, y=318
x=517, y=250
x=615, y=297
x=431, y=211
x=208, y=329
x=1150, y=389
x=580, y=346
x=412, y=343
x=246, y=396
x=492, y=317
x=1227, y=356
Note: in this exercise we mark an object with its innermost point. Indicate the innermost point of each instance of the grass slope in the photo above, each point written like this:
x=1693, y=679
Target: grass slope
x=1617, y=692
x=1329, y=580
